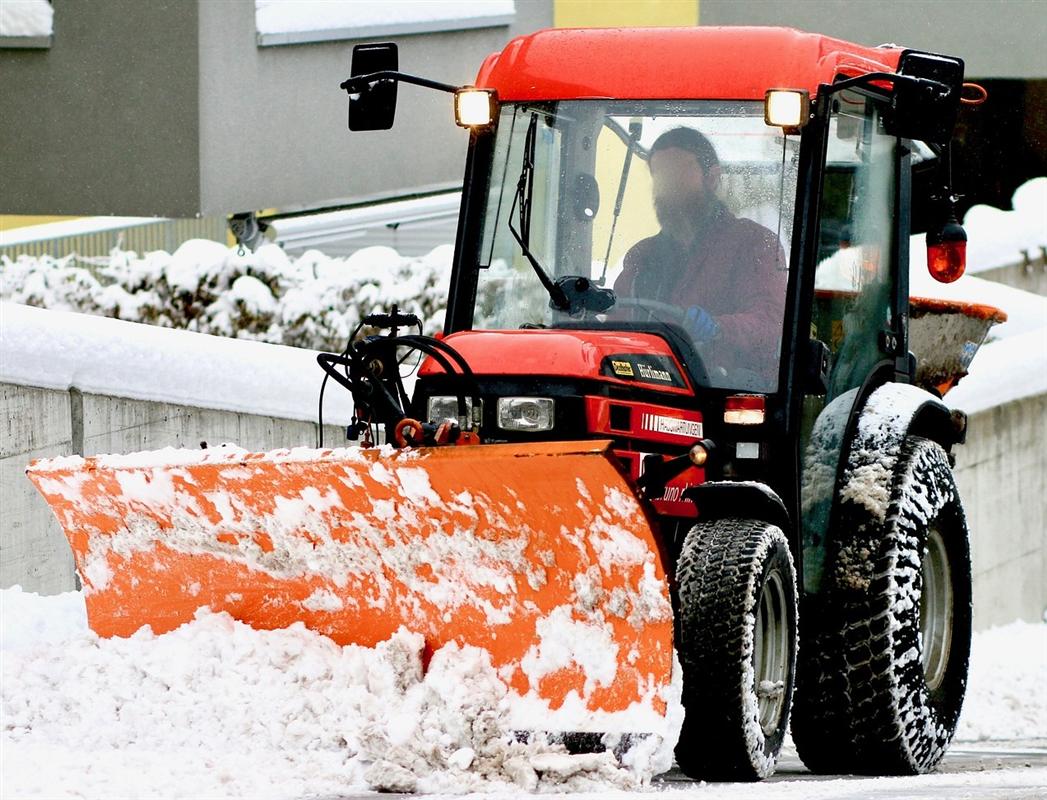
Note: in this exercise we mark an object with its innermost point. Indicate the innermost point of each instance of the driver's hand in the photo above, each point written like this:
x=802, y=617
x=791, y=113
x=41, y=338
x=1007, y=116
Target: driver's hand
x=700, y=325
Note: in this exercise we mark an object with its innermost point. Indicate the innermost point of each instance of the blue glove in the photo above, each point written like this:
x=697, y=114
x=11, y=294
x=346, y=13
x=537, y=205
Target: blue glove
x=700, y=325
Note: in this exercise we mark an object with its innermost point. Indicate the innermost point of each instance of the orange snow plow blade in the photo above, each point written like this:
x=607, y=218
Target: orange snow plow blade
x=506, y=547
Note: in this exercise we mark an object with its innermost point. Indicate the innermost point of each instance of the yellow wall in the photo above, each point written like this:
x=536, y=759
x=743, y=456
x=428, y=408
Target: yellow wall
x=614, y=13
x=11, y=221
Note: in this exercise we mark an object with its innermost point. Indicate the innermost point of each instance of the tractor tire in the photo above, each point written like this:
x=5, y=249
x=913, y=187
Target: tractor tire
x=886, y=645
x=736, y=640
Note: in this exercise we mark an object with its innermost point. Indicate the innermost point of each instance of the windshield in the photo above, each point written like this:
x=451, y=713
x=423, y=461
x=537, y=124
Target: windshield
x=683, y=209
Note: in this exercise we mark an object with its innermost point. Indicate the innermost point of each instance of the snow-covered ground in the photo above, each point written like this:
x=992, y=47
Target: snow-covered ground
x=217, y=709
x=59, y=350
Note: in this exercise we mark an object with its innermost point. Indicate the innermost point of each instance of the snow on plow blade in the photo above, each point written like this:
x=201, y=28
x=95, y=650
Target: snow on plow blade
x=539, y=553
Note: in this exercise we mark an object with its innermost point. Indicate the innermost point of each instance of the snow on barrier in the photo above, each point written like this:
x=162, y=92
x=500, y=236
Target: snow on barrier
x=78, y=384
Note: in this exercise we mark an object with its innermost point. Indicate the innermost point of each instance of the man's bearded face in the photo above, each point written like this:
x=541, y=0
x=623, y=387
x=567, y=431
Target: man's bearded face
x=682, y=189
x=680, y=207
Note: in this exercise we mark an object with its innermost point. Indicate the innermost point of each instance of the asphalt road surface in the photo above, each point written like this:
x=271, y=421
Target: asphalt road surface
x=1000, y=770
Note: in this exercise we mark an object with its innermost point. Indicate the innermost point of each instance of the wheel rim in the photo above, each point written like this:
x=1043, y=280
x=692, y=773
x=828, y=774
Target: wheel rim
x=771, y=652
x=936, y=610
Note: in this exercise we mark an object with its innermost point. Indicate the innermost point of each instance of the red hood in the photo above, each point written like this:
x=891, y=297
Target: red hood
x=624, y=358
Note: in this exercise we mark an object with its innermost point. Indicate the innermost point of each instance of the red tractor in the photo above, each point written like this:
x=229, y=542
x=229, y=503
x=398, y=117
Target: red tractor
x=677, y=347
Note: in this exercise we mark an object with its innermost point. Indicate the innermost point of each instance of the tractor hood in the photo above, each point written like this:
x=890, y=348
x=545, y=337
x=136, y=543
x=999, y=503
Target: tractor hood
x=630, y=359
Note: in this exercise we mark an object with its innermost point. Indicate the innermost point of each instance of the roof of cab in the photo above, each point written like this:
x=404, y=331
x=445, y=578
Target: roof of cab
x=716, y=63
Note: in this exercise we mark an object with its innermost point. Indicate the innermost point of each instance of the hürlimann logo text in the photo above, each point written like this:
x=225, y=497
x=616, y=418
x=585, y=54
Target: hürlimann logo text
x=652, y=374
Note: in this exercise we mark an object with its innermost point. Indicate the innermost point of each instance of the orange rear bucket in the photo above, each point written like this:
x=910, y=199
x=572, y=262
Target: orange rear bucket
x=510, y=548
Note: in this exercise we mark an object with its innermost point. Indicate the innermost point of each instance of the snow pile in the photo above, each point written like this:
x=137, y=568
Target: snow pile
x=1007, y=684
x=1011, y=369
x=313, y=301
x=996, y=238
x=26, y=18
x=216, y=708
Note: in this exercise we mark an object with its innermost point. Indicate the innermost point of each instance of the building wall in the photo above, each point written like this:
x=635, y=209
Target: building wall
x=996, y=39
x=171, y=108
x=273, y=119
x=106, y=120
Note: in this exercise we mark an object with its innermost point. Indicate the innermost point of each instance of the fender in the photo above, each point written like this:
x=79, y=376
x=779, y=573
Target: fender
x=749, y=499
x=878, y=423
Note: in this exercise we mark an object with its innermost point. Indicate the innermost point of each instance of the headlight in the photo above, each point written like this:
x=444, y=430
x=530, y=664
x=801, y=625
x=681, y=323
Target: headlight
x=443, y=408
x=528, y=414
x=474, y=108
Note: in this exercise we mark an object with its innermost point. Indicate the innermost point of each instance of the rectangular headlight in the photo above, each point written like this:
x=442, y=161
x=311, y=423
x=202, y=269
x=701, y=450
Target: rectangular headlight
x=529, y=414
x=446, y=408
x=786, y=108
x=474, y=108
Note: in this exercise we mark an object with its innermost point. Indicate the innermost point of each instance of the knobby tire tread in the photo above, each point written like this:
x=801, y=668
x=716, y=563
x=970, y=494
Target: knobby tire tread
x=863, y=704
x=719, y=574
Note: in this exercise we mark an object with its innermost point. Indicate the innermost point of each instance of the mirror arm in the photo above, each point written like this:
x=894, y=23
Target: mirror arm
x=358, y=83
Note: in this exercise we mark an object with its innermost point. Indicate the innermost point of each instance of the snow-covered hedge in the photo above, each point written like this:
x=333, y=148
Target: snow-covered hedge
x=313, y=301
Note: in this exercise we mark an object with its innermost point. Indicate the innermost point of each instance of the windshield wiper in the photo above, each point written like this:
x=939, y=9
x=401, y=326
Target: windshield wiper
x=571, y=293
x=524, y=193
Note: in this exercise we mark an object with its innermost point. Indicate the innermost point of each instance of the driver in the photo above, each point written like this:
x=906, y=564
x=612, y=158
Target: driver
x=727, y=275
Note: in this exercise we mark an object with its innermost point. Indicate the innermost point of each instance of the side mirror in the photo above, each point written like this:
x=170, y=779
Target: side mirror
x=373, y=107
x=926, y=109
x=817, y=369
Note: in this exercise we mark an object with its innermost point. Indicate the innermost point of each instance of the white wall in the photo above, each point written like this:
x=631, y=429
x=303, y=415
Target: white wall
x=1002, y=476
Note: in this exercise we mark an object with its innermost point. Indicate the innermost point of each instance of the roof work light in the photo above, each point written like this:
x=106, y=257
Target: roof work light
x=786, y=108
x=473, y=108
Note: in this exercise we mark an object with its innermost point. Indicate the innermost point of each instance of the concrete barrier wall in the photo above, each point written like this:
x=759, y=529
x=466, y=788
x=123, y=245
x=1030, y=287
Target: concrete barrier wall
x=1001, y=471
x=40, y=423
x=1029, y=275
x=1002, y=476
x=33, y=551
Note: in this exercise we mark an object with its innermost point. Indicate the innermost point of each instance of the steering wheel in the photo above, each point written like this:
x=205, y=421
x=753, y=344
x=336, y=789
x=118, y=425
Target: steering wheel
x=658, y=311
x=655, y=309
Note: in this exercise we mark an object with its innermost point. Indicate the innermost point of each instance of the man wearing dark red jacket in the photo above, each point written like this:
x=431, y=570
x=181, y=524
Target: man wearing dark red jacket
x=726, y=275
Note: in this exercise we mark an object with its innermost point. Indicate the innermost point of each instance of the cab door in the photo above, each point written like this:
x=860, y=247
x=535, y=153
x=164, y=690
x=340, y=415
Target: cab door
x=856, y=305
